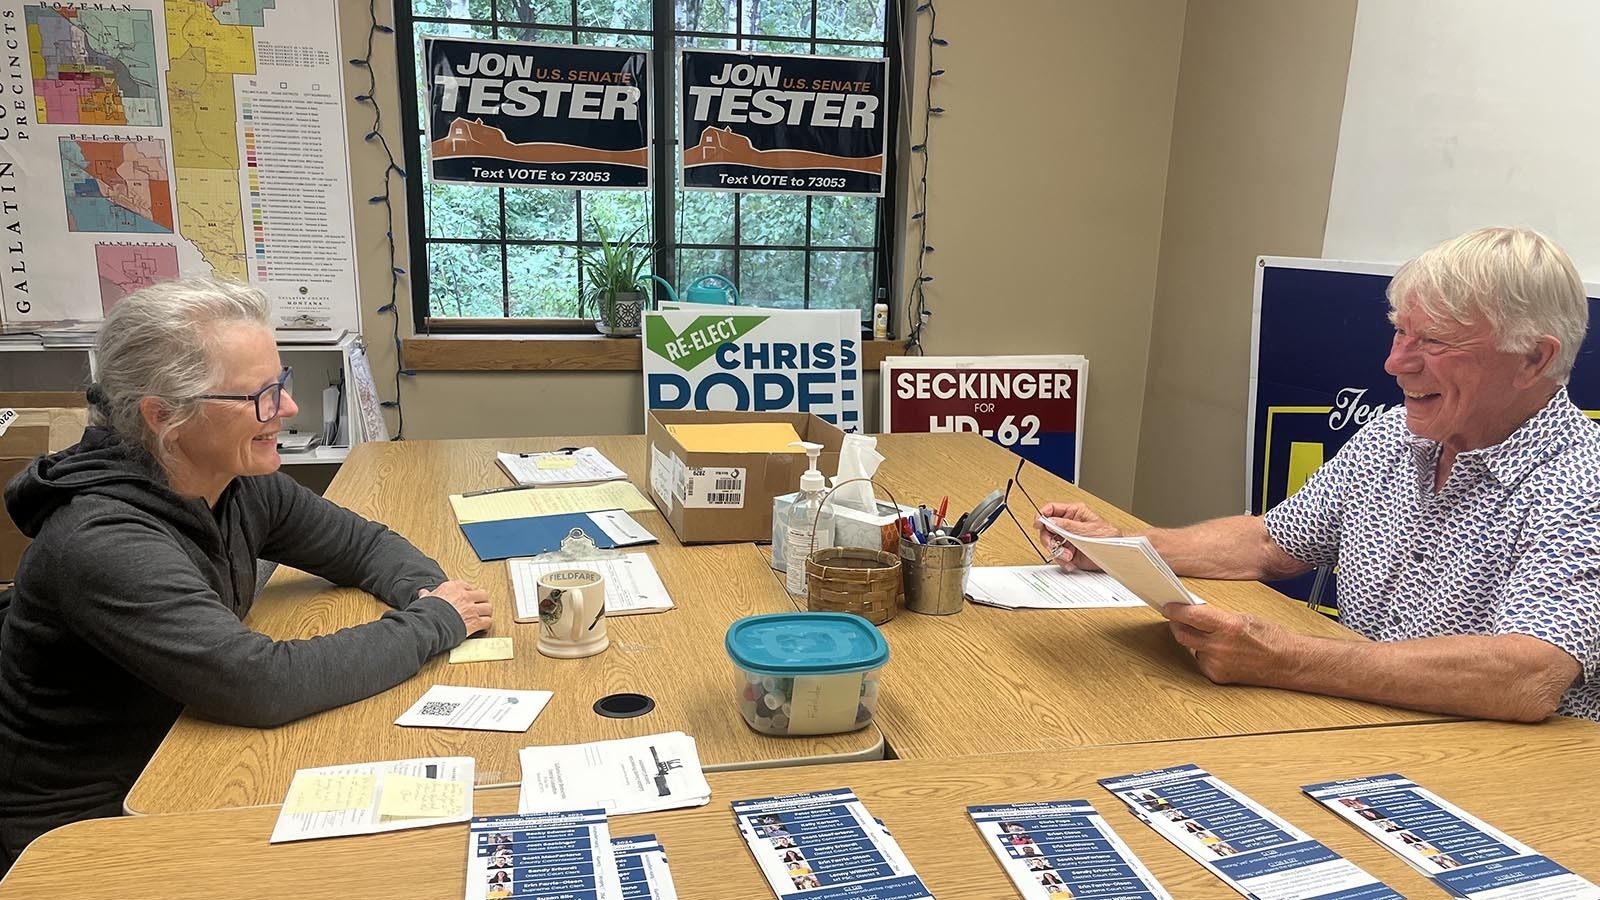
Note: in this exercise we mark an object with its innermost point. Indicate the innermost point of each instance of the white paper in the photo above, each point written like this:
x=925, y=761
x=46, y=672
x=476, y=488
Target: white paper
x=631, y=775
x=1046, y=587
x=623, y=530
x=364, y=818
x=1061, y=849
x=1133, y=563
x=566, y=853
x=642, y=865
x=632, y=584
x=827, y=840
x=475, y=709
x=587, y=465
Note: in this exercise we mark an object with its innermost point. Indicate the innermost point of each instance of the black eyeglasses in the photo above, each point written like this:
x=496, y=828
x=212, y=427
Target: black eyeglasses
x=1016, y=481
x=268, y=400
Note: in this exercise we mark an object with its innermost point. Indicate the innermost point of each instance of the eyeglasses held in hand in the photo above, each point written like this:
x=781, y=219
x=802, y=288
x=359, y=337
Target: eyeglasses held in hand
x=1016, y=481
x=268, y=400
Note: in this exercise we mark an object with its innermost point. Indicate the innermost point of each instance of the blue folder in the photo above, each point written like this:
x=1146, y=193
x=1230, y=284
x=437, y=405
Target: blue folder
x=530, y=536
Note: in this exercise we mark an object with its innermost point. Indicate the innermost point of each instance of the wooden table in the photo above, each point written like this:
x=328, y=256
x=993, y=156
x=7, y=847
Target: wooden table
x=676, y=657
x=1066, y=678
x=1521, y=779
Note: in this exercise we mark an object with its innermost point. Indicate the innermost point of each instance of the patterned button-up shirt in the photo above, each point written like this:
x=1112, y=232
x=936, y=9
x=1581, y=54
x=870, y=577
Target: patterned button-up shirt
x=1509, y=545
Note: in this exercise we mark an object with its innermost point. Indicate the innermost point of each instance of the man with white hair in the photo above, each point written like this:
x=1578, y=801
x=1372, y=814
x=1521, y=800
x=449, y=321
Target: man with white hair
x=1466, y=525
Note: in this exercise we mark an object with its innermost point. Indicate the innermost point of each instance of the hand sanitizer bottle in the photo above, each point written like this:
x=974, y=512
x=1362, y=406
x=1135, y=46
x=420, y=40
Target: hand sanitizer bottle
x=806, y=512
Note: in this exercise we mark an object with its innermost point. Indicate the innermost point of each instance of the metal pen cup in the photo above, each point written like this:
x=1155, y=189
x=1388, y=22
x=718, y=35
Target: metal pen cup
x=936, y=575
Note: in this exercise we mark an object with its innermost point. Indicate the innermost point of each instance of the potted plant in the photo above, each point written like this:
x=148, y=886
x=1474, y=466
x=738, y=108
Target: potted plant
x=614, y=275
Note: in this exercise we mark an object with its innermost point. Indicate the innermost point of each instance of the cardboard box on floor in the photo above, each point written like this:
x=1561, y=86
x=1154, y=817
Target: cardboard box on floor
x=44, y=422
x=721, y=497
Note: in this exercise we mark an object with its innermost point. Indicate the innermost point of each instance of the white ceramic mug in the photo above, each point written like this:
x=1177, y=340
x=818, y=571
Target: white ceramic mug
x=572, y=613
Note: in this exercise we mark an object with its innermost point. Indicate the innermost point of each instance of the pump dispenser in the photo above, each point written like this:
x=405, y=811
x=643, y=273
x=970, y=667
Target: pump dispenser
x=806, y=512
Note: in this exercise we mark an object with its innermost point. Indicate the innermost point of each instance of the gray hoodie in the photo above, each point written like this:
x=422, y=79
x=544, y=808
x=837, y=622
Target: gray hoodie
x=128, y=607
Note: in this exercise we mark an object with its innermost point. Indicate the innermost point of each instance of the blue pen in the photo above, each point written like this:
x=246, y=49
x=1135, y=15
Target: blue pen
x=916, y=530
x=990, y=521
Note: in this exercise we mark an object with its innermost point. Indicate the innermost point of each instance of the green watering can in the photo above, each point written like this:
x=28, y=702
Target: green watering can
x=705, y=289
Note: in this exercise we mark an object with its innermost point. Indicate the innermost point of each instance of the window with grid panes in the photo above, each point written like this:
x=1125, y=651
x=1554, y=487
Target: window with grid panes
x=486, y=258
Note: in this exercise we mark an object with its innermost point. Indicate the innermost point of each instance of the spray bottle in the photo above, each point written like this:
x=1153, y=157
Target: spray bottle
x=803, y=515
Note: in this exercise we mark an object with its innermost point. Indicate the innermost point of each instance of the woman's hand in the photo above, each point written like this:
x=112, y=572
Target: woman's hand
x=471, y=602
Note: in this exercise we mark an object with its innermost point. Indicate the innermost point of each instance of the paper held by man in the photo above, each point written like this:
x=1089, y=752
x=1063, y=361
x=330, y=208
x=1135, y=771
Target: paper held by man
x=1133, y=563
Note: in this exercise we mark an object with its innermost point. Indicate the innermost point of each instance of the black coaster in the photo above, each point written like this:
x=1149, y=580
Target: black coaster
x=624, y=706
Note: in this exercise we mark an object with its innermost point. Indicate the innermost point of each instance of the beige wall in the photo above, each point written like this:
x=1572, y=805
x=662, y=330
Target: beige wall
x=1260, y=93
x=1048, y=232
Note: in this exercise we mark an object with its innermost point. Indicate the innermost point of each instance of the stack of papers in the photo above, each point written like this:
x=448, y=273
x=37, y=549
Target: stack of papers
x=632, y=584
x=1252, y=850
x=1046, y=587
x=1063, y=849
x=531, y=536
x=642, y=868
x=364, y=798
x=632, y=775
x=737, y=437
x=566, y=853
x=581, y=466
x=520, y=503
x=475, y=709
x=1464, y=855
x=825, y=845
x=1133, y=563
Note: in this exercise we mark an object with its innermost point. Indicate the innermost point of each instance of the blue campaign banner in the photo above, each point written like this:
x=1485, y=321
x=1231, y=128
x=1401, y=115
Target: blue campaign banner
x=537, y=115
x=772, y=122
x=1322, y=333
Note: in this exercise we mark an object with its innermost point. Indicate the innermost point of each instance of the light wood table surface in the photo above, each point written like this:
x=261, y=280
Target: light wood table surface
x=993, y=680
x=1522, y=779
x=676, y=657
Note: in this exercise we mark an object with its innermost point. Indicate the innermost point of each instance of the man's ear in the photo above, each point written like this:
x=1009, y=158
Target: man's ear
x=1544, y=352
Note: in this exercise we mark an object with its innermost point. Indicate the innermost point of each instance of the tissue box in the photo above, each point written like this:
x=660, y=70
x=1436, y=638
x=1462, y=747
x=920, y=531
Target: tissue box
x=851, y=527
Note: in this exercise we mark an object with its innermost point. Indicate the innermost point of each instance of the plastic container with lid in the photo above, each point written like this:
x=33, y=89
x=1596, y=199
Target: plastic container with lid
x=807, y=672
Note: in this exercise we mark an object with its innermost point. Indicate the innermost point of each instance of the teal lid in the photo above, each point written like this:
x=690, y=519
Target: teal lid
x=806, y=643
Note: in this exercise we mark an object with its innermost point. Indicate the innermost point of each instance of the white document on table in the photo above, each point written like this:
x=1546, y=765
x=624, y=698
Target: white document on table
x=1133, y=563
x=1046, y=587
x=632, y=584
x=475, y=709
x=621, y=528
x=631, y=775
x=582, y=466
x=365, y=798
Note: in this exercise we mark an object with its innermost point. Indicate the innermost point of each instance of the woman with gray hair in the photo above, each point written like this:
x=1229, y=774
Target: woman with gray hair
x=128, y=606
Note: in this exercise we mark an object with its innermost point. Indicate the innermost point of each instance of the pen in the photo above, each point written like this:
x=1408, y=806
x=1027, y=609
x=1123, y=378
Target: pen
x=567, y=450
x=990, y=521
x=960, y=521
x=944, y=504
x=496, y=490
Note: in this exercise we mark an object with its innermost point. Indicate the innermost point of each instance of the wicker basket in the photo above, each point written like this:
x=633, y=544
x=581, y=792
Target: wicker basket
x=854, y=580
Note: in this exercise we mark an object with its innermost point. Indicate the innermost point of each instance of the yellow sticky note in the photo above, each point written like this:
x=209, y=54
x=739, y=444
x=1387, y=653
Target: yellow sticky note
x=737, y=437
x=329, y=793
x=556, y=462
x=411, y=797
x=482, y=650
x=824, y=704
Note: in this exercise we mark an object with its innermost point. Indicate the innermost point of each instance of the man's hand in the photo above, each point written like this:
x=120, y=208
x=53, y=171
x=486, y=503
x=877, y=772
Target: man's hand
x=469, y=601
x=1230, y=648
x=1078, y=519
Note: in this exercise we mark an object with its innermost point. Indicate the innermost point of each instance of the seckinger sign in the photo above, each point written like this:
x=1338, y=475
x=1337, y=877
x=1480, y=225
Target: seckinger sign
x=543, y=115
x=758, y=360
x=1032, y=405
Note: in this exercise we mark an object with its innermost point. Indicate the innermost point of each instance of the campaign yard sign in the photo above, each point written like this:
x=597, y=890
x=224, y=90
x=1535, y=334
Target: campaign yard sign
x=777, y=123
x=1031, y=405
x=537, y=115
x=755, y=360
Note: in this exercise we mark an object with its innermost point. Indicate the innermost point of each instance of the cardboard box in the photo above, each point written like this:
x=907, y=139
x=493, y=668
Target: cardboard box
x=44, y=422
x=851, y=527
x=721, y=497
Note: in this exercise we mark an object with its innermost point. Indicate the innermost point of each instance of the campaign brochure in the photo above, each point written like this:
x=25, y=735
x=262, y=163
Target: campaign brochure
x=1062, y=849
x=642, y=867
x=1252, y=850
x=547, y=855
x=824, y=845
x=1460, y=852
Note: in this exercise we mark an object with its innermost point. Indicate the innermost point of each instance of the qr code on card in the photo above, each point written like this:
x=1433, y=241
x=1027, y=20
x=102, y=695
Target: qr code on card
x=437, y=708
